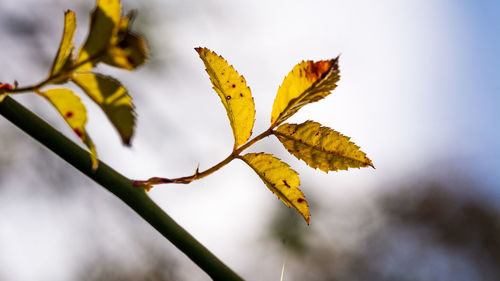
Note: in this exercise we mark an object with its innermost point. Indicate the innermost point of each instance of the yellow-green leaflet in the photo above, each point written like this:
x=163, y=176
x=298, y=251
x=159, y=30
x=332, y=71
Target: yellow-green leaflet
x=308, y=82
x=233, y=92
x=321, y=147
x=64, y=57
x=280, y=179
x=73, y=111
x=113, y=98
x=104, y=24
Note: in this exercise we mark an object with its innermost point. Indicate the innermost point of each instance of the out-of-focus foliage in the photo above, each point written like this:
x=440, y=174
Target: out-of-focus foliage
x=63, y=59
x=104, y=25
x=71, y=108
x=113, y=99
x=110, y=41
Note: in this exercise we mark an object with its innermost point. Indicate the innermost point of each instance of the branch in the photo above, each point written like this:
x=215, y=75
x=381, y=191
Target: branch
x=136, y=198
x=148, y=184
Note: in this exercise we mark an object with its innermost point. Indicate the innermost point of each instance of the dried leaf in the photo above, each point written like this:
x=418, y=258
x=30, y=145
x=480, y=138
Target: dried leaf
x=308, y=82
x=280, y=179
x=64, y=57
x=233, y=92
x=104, y=25
x=321, y=147
x=113, y=98
x=73, y=111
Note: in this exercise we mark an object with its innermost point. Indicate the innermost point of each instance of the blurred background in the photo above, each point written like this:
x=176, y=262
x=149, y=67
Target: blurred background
x=419, y=92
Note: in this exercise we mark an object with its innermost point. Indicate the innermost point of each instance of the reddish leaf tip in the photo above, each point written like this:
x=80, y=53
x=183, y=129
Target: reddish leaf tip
x=5, y=86
x=78, y=133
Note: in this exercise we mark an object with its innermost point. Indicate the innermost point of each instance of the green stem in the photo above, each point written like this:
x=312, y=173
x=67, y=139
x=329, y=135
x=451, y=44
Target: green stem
x=198, y=175
x=134, y=197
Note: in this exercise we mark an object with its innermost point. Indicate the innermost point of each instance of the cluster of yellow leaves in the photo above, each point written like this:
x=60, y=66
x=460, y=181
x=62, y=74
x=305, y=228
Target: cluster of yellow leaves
x=320, y=147
x=109, y=41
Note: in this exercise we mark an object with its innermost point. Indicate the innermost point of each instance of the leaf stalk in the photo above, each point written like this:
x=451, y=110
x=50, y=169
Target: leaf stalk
x=147, y=184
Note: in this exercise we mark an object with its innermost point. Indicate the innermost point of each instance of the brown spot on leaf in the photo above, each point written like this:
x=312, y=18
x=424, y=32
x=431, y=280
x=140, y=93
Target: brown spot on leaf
x=300, y=200
x=78, y=133
x=286, y=184
x=315, y=70
x=241, y=95
x=233, y=86
x=69, y=114
x=228, y=97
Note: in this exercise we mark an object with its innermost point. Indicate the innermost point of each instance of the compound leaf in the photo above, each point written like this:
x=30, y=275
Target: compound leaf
x=104, y=25
x=233, y=92
x=280, y=179
x=308, y=82
x=64, y=57
x=321, y=147
x=73, y=111
x=113, y=99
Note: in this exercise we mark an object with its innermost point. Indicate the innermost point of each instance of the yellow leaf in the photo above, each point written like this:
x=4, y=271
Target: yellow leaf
x=233, y=92
x=280, y=179
x=73, y=111
x=131, y=53
x=321, y=147
x=104, y=24
x=308, y=82
x=64, y=57
x=113, y=98
x=128, y=50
